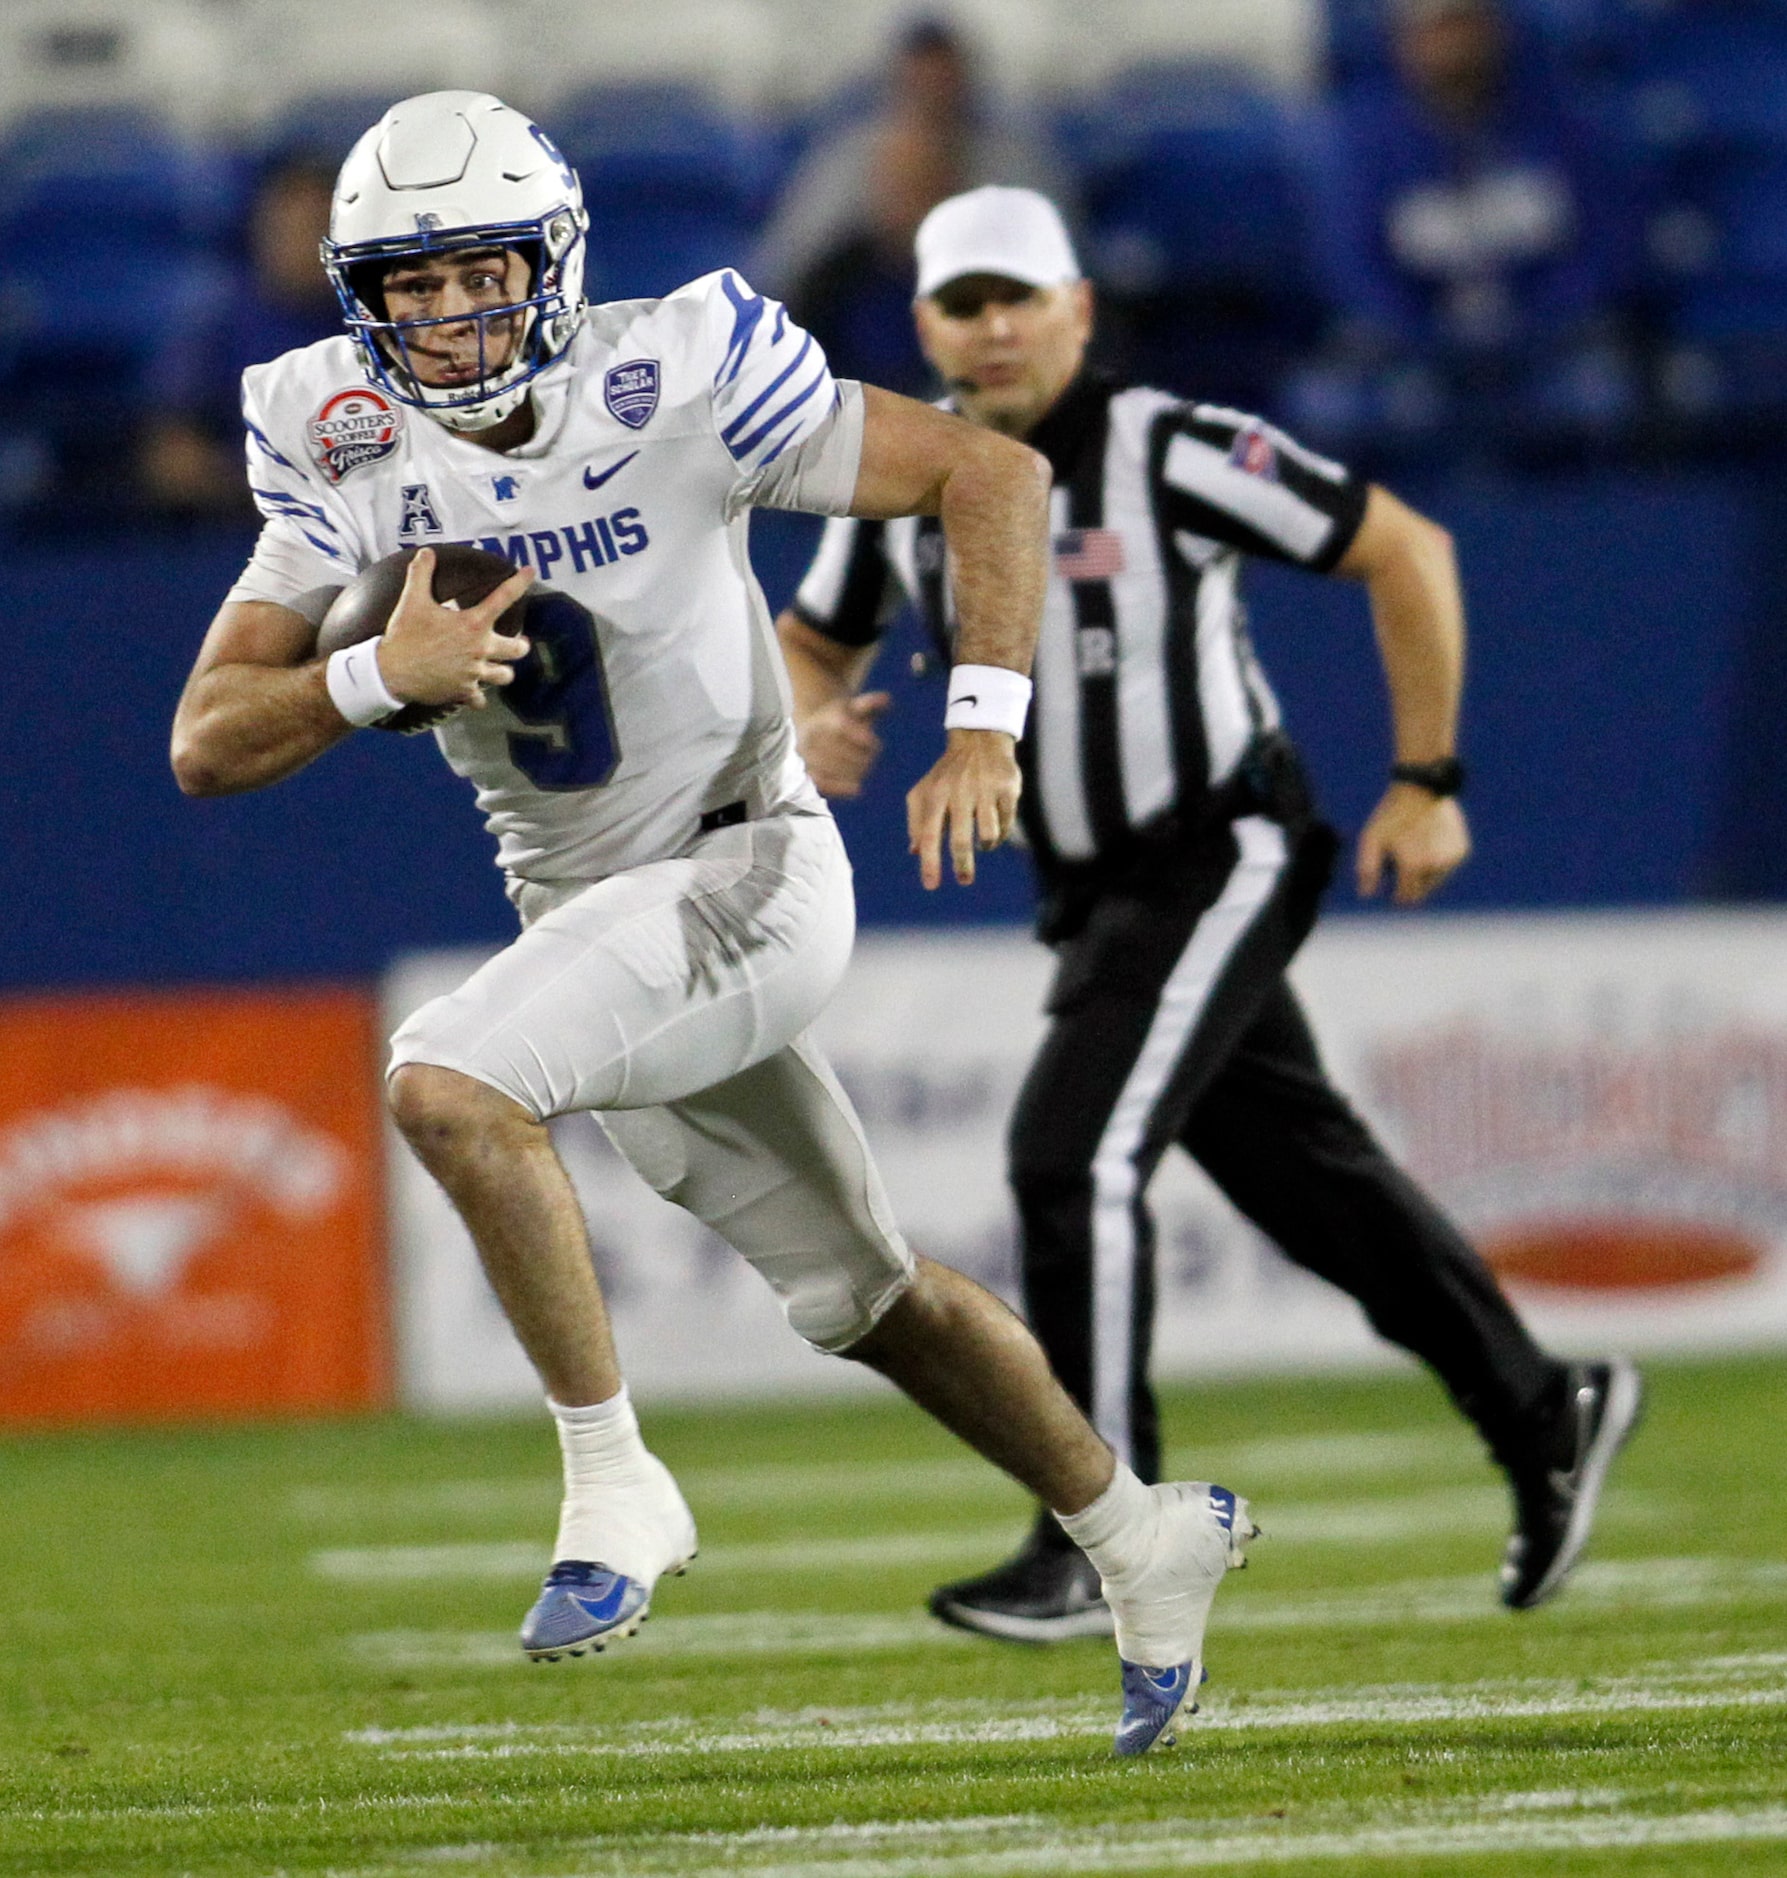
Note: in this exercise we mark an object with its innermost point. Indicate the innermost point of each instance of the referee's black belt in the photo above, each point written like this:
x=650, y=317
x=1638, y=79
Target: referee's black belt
x=728, y=817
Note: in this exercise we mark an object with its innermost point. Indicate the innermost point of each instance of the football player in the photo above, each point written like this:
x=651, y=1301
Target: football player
x=683, y=893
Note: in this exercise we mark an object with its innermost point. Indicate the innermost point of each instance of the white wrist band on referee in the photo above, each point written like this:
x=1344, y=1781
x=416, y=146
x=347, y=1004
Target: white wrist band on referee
x=357, y=686
x=987, y=697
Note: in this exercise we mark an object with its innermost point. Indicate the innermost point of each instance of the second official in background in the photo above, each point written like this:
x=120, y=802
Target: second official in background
x=1181, y=863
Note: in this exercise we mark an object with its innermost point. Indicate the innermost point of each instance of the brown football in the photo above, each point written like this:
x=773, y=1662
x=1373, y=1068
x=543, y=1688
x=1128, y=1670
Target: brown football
x=361, y=609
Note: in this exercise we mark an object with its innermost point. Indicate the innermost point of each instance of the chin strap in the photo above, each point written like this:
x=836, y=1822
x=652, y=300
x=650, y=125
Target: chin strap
x=472, y=418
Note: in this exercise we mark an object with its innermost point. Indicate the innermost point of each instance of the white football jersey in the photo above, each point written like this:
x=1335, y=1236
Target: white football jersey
x=654, y=691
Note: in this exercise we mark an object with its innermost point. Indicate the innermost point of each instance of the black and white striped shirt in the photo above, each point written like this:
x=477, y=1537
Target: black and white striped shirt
x=1148, y=696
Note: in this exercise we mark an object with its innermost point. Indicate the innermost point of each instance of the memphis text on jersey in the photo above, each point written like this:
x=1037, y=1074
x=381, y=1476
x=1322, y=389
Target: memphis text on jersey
x=584, y=546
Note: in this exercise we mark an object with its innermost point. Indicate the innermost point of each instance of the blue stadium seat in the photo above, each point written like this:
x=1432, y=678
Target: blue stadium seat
x=101, y=217
x=1723, y=308
x=1741, y=284
x=1191, y=175
x=1711, y=77
x=1705, y=113
x=109, y=227
x=674, y=186
x=114, y=172
x=325, y=125
x=1195, y=216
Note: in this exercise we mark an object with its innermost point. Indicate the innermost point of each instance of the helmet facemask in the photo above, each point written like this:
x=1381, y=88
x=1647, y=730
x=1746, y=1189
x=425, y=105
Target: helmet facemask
x=542, y=323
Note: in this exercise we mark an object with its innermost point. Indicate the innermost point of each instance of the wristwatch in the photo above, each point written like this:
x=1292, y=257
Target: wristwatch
x=1442, y=777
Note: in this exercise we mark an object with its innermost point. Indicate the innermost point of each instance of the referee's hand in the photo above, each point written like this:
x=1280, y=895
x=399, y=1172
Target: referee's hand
x=839, y=744
x=970, y=797
x=1421, y=838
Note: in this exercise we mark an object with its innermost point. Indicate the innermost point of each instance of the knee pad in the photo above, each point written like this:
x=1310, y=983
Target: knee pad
x=809, y=1213
x=439, y=1037
x=838, y=1309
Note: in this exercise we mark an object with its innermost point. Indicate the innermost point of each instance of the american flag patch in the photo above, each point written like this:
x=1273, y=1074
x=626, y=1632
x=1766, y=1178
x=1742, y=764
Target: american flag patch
x=1089, y=554
x=1252, y=453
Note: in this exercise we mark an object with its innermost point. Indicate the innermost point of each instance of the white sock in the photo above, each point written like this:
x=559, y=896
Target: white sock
x=597, y=1439
x=1116, y=1531
x=621, y=1507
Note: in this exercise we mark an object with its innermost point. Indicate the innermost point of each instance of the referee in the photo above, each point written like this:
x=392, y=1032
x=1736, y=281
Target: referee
x=1181, y=861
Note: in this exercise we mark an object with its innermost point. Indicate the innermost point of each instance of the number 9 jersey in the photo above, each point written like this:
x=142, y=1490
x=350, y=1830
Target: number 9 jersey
x=654, y=692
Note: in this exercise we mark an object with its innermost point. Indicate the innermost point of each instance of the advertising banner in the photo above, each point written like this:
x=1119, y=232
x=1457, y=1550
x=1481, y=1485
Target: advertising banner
x=1601, y=1101
x=190, y=1196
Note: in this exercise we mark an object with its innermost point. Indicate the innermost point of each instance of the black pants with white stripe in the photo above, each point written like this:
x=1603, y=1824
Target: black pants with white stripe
x=1172, y=1022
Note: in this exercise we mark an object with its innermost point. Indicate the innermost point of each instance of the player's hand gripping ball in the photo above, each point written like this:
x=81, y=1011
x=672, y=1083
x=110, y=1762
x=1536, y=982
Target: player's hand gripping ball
x=462, y=576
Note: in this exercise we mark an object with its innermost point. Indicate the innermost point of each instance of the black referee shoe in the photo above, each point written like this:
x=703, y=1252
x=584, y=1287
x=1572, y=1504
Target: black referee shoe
x=1047, y=1593
x=1556, y=1495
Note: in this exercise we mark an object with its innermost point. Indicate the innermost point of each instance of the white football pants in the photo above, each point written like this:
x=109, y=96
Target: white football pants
x=673, y=1000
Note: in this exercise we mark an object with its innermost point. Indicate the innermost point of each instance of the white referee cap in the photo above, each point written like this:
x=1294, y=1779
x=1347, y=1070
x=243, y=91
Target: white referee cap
x=1014, y=233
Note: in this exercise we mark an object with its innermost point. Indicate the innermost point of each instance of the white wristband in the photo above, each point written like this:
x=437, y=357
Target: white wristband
x=357, y=686
x=987, y=697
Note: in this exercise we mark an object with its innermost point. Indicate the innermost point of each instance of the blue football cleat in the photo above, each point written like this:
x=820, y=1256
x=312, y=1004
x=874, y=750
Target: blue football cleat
x=1161, y=1604
x=582, y=1606
x=1153, y=1699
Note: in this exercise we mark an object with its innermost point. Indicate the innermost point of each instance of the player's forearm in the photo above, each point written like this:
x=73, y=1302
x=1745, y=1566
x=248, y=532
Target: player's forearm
x=1418, y=612
x=995, y=514
x=242, y=727
x=818, y=673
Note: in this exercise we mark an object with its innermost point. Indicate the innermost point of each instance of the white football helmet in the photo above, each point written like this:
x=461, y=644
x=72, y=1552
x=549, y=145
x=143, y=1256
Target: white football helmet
x=458, y=169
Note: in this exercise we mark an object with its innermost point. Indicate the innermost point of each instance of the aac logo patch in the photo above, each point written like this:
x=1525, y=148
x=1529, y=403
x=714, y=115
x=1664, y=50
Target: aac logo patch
x=631, y=391
x=419, y=518
x=354, y=428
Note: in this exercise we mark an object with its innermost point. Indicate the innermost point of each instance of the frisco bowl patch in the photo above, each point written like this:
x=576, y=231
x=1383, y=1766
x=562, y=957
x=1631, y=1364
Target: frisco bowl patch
x=631, y=391
x=353, y=428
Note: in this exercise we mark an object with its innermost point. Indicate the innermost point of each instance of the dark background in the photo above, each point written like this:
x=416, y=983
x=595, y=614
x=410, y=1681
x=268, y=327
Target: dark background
x=1624, y=563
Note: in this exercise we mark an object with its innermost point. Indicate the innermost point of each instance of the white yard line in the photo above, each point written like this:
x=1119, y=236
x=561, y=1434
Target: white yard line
x=1328, y=1458
x=1650, y=1584
x=1001, y=1844
x=797, y=1484
x=433, y=1500
x=1388, y=1520
x=430, y=1564
x=1740, y=1682
x=1188, y=1845
x=1359, y=1522
x=792, y=1484
x=1505, y=1824
x=1096, y=1724
x=409, y=1564
x=1008, y=1845
x=740, y=1633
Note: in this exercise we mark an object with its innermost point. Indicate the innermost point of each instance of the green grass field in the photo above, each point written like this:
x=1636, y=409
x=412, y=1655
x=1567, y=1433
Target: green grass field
x=291, y=1649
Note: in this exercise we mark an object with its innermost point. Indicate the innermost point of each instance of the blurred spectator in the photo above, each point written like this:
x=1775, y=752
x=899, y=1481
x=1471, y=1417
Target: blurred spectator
x=1474, y=251
x=276, y=299
x=838, y=247
x=856, y=298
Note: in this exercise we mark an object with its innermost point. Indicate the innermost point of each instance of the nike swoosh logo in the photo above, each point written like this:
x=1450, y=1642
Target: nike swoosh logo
x=967, y=697
x=603, y=1608
x=614, y=469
